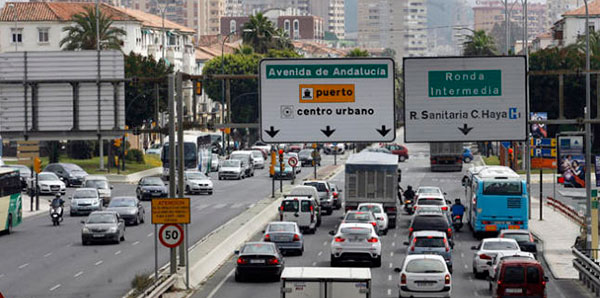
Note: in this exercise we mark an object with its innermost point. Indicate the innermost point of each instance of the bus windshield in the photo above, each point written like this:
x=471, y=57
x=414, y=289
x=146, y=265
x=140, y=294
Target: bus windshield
x=502, y=188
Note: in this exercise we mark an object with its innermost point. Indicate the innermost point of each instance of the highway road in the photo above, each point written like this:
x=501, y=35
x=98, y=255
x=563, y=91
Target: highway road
x=40, y=260
x=317, y=248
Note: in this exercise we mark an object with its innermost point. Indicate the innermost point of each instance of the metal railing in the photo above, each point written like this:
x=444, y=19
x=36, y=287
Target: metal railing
x=588, y=268
x=566, y=210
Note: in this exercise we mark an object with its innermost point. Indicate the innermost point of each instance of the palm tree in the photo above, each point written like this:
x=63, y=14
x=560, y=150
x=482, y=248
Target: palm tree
x=258, y=32
x=356, y=52
x=82, y=35
x=479, y=44
x=594, y=43
x=282, y=40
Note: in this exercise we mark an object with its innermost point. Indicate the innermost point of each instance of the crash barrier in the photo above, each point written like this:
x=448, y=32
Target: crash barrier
x=588, y=268
x=568, y=211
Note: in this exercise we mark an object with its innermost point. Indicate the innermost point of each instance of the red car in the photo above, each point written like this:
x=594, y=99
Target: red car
x=399, y=150
x=519, y=277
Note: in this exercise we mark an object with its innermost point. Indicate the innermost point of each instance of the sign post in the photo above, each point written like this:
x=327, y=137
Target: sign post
x=595, y=223
x=171, y=236
x=331, y=100
x=543, y=156
x=293, y=162
x=450, y=99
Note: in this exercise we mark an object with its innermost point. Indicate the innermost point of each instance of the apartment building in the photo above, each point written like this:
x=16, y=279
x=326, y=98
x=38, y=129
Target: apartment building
x=490, y=13
x=555, y=9
x=571, y=26
x=298, y=27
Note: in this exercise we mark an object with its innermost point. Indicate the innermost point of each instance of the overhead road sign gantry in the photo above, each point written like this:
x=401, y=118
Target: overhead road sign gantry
x=465, y=99
x=327, y=100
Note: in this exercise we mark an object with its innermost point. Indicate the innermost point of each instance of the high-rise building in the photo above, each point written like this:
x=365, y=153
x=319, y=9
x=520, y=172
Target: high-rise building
x=332, y=11
x=555, y=9
x=491, y=13
x=351, y=21
x=234, y=8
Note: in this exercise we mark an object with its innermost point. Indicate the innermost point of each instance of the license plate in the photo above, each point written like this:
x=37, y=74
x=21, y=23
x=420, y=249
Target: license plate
x=257, y=261
x=425, y=283
x=514, y=227
x=513, y=291
x=490, y=228
x=98, y=235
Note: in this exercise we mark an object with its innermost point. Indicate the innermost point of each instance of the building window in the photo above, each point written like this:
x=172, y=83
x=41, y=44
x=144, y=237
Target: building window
x=17, y=35
x=43, y=35
x=232, y=26
x=296, y=29
x=286, y=26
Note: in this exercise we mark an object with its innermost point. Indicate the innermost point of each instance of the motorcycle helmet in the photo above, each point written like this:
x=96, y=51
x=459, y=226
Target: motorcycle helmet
x=457, y=201
x=409, y=187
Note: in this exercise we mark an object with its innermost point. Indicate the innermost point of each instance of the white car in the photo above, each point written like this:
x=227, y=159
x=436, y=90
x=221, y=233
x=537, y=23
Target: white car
x=429, y=190
x=488, y=249
x=380, y=216
x=154, y=149
x=214, y=162
x=100, y=183
x=355, y=242
x=197, y=182
x=231, y=169
x=424, y=276
x=502, y=256
x=49, y=183
x=431, y=199
x=259, y=161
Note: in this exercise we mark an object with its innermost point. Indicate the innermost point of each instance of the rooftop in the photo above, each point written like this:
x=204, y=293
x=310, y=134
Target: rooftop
x=593, y=9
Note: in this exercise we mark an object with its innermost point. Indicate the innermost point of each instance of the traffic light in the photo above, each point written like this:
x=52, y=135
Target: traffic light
x=198, y=87
x=280, y=155
x=117, y=142
x=273, y=161
x=37, y=165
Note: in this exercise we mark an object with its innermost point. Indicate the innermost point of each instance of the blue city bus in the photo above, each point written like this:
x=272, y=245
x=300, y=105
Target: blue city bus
x=496, y=199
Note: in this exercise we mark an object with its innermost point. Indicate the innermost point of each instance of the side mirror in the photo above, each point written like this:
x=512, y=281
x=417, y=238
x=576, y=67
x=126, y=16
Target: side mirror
x=296, y=214
x=237, y=252
x=341, y=217
x=489, y=263
x=452, y=244
x=473, y=247
x=111, y=187
x=448, y=202
x=49, y=201
x=82, y=221
x=406, y=243
x=397, y=270
x=121, y=220
x=546, y=279
x=263, y=231
x=445, y=193
x=332, y=233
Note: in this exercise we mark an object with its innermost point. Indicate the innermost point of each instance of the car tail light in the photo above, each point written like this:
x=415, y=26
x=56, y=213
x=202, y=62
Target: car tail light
x=485, y=257
x=372, y=240
x=281, y=208
x=415, y=207
x=447, y=279
x=335, y=195
x=445, y=208
x=273, y=261
x=531, y=238
x=242, y=261
x=411, y=229
x=433, y=161
x=403, y=279
x=391, y=209
x=457, y=216
x=339, y=239
x=267, y=238
x=296, y=237
x=446, y=245
x=374, y=224
x=311, y=208
x=519, y=222
x=449, y=232
x=486, y=222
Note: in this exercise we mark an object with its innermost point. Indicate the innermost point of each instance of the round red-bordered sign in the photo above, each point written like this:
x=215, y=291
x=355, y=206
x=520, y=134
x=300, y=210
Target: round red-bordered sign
x=293, y=162
x=170, y=235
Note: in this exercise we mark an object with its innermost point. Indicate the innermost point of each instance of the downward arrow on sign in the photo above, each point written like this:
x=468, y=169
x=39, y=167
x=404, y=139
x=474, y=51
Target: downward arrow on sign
x=465, y=129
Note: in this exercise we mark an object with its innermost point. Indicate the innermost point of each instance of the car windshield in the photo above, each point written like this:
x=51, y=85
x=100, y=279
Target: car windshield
x=305, y=153
x=153, y=181
x=424, y=190
x=372, y=208
x=258, y=248
x=231, y=163
x=429, y=241
x=73, y=167
x=281, y=227
x=429, y=223
x=425, y=266
x=238, y=156
x=431, y=201
x=85, y=193
x=196, y=176
x=101, y=218
x=520, y=237
x=257, y=154
x=96, y=184
x=356, y=230
x=514, y=275
x=502, y=188
x=290, y=206
x=358, y=216
x=318, y=185
x=47, y=177
x=500, y=245
x=122, y=203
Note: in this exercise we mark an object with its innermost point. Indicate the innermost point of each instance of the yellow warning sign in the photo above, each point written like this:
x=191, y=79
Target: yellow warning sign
x=326, y=93
x=171, y=211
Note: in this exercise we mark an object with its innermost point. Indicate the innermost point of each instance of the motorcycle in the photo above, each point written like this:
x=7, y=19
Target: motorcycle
x=408, y=203
x=457, y=222
x=56, y=213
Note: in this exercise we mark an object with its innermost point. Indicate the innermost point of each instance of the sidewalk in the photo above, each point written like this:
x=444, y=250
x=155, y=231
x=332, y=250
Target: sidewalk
x=26, y=203
x=557, y=234
x=135, y=177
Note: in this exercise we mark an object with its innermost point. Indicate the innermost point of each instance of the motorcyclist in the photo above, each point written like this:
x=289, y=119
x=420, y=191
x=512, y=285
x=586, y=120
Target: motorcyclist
x=458, y=209
x=58, y=202
x=409, y=193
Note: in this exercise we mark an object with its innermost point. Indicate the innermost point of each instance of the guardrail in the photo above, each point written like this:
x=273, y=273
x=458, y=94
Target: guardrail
x=566, y=210
x=588, y=268
x=162, y=287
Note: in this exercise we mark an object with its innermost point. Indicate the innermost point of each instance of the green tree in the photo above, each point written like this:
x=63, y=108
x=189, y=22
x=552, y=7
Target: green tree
x=356, y=52
x=258, y=33
x=82, y=35
x=140, y=96
x=479, y=44
x=387, y=52
x=594, y=44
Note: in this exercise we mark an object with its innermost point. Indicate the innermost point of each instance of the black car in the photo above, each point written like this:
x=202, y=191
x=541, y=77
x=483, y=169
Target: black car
x=129, y=208
x=151, y=187
x=306, y=157
x=70, y=173
x=24, y=173
x=523, y=237
x=430, y=222
x=258, y=259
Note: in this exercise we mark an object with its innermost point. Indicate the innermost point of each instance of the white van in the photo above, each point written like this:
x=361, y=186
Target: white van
x=247, y=161
x=300, y=209
x=311, y=191
x=101, y=184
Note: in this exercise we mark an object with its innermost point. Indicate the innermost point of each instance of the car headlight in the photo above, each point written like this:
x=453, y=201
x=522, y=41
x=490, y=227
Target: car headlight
x=133, y=212
x=112, y=230
x=73, y=202
x=95, y=203
x=210, y=184
x=145, y=190
x=85, y=230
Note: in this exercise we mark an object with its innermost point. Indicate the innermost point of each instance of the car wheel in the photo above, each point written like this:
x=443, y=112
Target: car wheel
x=187, y=189
x=401, y=158
x=467, y=159
x=137, y=220
x=220, y=178
x=9, y=230
x=238, y=277
x=210, y=192
x=122, y=237
x=142, y=219
x=377, y=262
x=334, y=261
x=83, y=242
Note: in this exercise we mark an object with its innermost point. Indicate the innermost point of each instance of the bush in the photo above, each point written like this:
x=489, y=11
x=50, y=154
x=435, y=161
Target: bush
x=80, y=149
x=141, y=282
x=135, y=155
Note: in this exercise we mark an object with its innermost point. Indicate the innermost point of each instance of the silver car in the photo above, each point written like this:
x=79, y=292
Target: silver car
x=85, y=200
x=130, y=209
x=355, y=242
x=103, y=226
x=197, y=182
x=286, y=235
x=431, y=242
x=325, y=194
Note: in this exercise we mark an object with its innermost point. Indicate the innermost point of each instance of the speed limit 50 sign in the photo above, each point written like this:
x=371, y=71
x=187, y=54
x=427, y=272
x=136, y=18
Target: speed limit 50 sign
x=170, y=235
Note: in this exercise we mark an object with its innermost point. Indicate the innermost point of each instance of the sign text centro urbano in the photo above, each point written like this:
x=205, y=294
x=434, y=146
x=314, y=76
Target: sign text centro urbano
x=327, y=100
x=465, y=99
x=171, y=211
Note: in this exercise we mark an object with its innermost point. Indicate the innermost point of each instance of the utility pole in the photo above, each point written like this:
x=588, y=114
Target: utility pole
x=172, y=179
x=180, y=155
x=100, y=141
x=588, y=134
x=527, y=156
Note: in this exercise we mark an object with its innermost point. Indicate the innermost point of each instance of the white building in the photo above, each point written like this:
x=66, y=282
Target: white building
x=567, y=30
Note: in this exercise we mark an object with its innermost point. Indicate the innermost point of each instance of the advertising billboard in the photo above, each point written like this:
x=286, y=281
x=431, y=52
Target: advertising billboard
x=571, y=161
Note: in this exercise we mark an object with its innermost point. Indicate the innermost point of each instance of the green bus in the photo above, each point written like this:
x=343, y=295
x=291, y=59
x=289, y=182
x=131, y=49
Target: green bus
x=11, y=207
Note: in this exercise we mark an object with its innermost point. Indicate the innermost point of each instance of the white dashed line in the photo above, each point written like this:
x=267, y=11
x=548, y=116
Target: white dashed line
x=395, y=235
x=219, y=206
x=391, y=265
x=390, y=277
x=462, y=254
x=393, y=244
x=314, y=264
x=389, y=292
x=200, y=207
x=251, y=205
x=78, y=274
x=391, y=254
x=320, y=253
x=135, y=243
x=24, y=265
x=150, y=235
x=47, y=255
x=118, y=252
x=466, y=266
x=99, y=262
x=221, y=283
x=325, y=243
x=476, y=294
x=55, y=287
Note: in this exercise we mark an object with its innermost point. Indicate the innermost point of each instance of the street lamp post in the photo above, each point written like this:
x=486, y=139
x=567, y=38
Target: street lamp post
x=100, y=142
x=225, y=146
x=588, y=130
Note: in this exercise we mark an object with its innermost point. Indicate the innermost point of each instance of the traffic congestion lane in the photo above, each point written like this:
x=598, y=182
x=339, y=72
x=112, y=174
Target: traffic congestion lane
x=415, y=172
x=55, y=257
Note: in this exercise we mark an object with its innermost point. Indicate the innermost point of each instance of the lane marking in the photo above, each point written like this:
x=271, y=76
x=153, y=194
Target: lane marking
x=118, y=252
x=200, y=207
x=462, y=254
x=325, y=243
x=135, y=243
x=476, y=293
x=55, y=287
x=237, y=205
x=24, y=265
x=391, y=265
x=466, y=266
x=99, y=262
x=320, y=253
x=390, y=277
x=219, y=206
x=220, y=284
x=393, y=244
x=150, y=235
x=391, y=254
x=395, y=235
x=47, y=255
x=251, y=205
x=314, y=264
x=389, y=292
x=78, y=274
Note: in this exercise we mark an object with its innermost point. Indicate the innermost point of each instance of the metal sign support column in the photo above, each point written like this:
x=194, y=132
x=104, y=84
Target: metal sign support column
x=172, y=192
x=594, y=204
x=180, y=160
